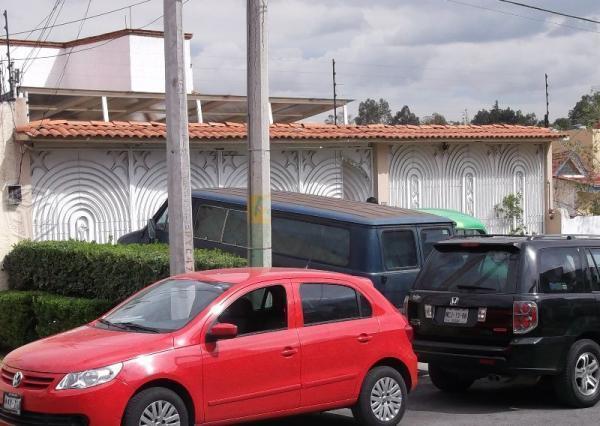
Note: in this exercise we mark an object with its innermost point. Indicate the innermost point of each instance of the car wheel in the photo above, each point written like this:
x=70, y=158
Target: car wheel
x=156, y=406
x=448, y=381
x=579, y=383
x=382, y=399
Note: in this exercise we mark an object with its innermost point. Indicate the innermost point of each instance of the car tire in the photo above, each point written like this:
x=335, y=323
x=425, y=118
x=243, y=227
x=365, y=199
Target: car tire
x=572, y=386
x=148, y=406
x=382, y=399
x=448, y=381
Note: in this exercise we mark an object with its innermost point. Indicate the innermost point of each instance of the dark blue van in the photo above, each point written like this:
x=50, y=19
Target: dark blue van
x=386, y=244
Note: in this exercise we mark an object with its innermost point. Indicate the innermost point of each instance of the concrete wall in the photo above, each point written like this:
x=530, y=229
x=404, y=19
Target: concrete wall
x=15, y=221
x=128, y=63
x=579, y=224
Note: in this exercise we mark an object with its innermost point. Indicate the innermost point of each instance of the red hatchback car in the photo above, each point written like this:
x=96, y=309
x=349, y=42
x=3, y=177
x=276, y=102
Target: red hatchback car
x=219, y=347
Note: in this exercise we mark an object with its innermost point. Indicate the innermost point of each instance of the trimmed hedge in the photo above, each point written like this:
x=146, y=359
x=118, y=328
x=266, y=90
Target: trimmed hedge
x=17, y=322
x=26, y=316
x=97, y=271
x=54, y=314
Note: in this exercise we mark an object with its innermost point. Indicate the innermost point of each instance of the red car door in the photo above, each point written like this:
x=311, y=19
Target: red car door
x=258, y=371
x=339, y=339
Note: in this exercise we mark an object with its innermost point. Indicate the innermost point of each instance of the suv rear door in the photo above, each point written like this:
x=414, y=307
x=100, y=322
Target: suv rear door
x=465, y=294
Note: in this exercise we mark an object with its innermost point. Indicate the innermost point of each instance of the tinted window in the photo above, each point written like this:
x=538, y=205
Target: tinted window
x=311, y=241
x=458, y=269
x=235, y=232
x=163, y=221
x=167, y=306
x=560, y=271
x=208, y=222
x=593, y=262
x=399, y=249
x=328, y=302
x=431, y=236
x=365, y=307
x=259, y=311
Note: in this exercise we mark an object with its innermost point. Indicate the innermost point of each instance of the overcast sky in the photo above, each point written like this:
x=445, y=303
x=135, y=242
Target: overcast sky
x=434, y=55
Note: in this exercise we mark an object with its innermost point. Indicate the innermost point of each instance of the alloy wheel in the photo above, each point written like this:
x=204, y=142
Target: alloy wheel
x=587, y=374
x=386, y=399
x=160, y=413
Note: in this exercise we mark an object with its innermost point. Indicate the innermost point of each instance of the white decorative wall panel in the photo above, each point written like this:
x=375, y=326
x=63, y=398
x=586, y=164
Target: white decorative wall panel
x=472, y=178
x=100, y=195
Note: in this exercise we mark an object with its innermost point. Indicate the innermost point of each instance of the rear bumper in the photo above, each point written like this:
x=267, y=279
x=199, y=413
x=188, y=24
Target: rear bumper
x=524, y=355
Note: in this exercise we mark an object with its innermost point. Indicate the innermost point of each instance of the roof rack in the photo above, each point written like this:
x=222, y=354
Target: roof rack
x=460, y=237
x=534, y=237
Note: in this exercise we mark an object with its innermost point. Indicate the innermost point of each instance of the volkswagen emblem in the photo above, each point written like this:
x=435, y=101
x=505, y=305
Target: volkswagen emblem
x=454, y=301
x=17, y=379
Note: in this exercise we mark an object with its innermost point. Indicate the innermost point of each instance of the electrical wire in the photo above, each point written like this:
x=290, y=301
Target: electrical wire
x=531, y=18
x=554, y=12
x=62, y=24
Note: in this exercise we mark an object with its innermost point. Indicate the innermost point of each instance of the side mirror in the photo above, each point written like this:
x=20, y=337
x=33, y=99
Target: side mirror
x=151, y=228
x=222, y=331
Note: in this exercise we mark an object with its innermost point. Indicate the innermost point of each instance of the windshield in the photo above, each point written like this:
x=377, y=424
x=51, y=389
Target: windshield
x=487, y=270
x=165, y=307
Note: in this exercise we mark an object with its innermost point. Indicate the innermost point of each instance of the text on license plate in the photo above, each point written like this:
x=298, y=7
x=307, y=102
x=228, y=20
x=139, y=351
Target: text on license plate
x=12, y=403
x=456, y=316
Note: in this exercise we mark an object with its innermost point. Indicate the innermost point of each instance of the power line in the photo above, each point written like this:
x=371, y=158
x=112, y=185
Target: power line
x=531, y=18
x=91, y=47
x=550, y=11
x=62, y=24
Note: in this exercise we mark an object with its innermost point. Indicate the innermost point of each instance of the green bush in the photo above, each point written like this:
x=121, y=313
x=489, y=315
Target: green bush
x=97, y=271
x=54, y=314
x=17, y=322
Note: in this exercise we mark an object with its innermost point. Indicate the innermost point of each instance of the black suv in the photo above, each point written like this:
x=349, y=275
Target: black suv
x=511, y=306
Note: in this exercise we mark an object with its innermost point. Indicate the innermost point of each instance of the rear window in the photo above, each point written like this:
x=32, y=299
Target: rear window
x=462, y=270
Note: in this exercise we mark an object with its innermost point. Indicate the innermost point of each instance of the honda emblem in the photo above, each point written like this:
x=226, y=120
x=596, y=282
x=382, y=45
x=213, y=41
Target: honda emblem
x=454, y=301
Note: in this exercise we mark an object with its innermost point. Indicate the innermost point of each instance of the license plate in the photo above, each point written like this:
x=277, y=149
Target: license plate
x=12, y=403
x=456, y=316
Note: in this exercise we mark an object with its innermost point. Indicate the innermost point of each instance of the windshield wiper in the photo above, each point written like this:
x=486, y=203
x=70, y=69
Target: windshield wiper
x=474, y=287
x=111, y=324
x=135, y=326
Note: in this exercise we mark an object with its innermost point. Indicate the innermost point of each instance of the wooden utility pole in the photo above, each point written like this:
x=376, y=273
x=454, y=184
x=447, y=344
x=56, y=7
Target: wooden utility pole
x=181, y=233
x=259, y=171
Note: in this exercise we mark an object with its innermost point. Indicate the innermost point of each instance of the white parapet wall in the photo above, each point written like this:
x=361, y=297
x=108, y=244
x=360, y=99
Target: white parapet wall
x=15, y=220
x=579, y=224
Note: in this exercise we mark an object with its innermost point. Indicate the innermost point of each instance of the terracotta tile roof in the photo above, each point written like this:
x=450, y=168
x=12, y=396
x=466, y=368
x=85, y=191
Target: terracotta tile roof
x=64, y=129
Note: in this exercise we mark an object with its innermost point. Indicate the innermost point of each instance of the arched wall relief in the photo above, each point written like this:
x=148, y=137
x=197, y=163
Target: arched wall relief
x=99, y=195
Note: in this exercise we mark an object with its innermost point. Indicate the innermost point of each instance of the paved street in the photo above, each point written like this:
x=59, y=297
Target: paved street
x=485, y=404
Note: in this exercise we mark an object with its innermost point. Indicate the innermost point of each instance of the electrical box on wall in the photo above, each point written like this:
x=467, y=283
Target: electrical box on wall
x=14, y=194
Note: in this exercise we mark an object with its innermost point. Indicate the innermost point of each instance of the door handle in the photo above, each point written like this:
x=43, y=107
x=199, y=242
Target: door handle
x=364, y=338
x=289, y=351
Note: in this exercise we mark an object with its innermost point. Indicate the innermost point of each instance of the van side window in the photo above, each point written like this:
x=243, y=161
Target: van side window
x=323, y=303
x=208, y=222
x=311, y=241
x=561, y=271
x=593, y=260
x=163, y=221
x=399, y=249
x=430, y=236
x=235, y=232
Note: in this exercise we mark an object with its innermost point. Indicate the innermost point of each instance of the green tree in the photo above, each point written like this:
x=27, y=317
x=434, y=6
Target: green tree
x=511, y=210
x=562, y=123
x=371, y=111
x=587, y=110
x=405, y=116
x=435, y=118
x=496, y=115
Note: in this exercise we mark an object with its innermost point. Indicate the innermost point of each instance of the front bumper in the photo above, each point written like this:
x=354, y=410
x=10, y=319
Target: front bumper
x=102, y=405
x=523, y=356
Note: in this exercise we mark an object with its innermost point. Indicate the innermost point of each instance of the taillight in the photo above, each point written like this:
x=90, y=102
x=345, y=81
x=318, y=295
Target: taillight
x=410, y=333
x=525, y=316
x=404, y=308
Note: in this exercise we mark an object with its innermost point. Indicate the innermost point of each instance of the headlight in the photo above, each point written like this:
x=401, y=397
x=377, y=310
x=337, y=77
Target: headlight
x=89, y=378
